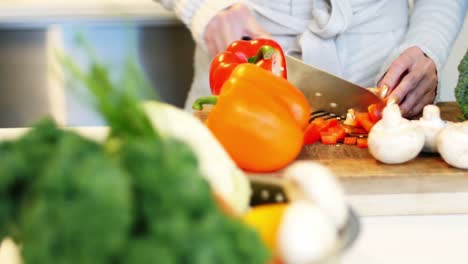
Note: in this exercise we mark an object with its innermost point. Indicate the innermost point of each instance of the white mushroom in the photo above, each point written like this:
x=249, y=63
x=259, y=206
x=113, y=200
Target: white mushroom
x=313, y=182
x=306, y=234
x=452, y=144
x=9, y=252
x=431, y=124
x=394, y=139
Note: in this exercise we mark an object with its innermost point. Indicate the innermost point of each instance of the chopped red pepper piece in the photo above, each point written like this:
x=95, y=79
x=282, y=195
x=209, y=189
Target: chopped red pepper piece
x=375, y=112
x=332, y=122
x=328, y=138
x=321, y=123
x=311, y=134
x=350, y=140
x=364, y=121
x=362, y=142
x=338, y=131
x=324, y=124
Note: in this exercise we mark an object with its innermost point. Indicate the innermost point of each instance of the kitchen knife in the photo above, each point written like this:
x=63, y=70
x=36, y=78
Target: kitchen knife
x=327, y=92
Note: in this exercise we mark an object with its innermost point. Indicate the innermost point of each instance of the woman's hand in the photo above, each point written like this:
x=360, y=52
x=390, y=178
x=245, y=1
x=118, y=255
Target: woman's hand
x=412, y=79
x=232, y=24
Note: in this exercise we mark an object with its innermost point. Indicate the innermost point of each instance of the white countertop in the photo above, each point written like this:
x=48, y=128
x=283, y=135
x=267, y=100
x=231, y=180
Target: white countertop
x=44, y=12
x=411, y=240
x=389, y=240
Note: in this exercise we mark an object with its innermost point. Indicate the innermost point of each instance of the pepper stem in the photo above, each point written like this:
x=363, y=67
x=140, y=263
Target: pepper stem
x=264, y=52
x=198, y=104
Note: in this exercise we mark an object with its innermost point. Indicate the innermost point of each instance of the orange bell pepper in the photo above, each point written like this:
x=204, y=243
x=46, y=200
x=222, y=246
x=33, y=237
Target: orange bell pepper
x=258, y=118
x=281, y=90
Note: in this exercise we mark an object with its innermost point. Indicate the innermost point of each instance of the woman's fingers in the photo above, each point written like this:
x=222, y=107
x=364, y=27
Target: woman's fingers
x=413, y=78
x=210, y=39
x=229, y=25
x=415, y=100
x=418, y=108
x=406, y=92
x=398, y=69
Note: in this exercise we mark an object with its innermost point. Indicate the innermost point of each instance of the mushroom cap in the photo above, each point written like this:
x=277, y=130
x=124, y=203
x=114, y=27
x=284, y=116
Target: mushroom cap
x=452, y=144
x=393, y=139
x=431, y=113
x=306, y=234
x=9, y=252
x=431, y=124
x=391, y=116
x=311, y=181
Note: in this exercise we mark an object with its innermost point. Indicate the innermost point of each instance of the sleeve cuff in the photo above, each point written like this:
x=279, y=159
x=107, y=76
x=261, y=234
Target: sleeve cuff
x=202, y=15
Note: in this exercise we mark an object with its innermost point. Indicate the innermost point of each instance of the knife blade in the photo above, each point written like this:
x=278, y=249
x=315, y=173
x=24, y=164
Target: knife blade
x=327, y=92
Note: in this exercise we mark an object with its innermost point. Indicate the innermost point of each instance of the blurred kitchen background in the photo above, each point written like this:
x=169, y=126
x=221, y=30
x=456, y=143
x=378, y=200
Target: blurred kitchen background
x=32, y=30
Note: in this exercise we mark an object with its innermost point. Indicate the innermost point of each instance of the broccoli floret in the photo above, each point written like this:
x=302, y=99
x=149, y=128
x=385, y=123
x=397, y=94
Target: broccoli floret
x=13, y=182
x=21, y=161
x=177, y=212
x=80, y=209
x=461, y=90
x=63, y=198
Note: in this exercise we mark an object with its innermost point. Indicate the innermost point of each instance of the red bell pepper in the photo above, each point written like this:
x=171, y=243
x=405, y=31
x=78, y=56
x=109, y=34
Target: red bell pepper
x=265, y=53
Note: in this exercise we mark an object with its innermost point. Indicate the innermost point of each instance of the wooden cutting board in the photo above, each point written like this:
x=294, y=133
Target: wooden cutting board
x=425, y=185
